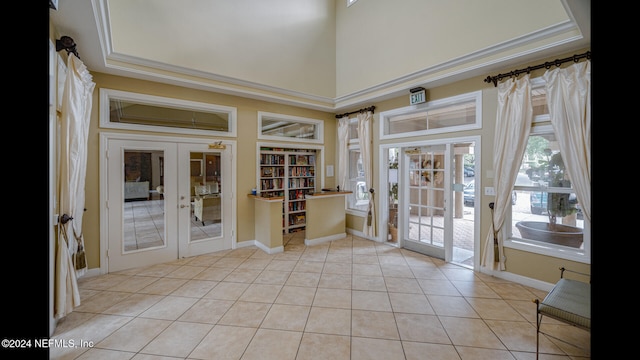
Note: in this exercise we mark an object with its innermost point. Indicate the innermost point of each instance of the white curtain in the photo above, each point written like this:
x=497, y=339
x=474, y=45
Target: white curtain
x=569, y=100
x=70, y=260
x=513, y=125
x=364, y=139
x=343, y=152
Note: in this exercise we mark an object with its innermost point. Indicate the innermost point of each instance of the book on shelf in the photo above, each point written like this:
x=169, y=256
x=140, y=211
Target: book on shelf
x=267, y=172
x=298, y=219
x=301, y=160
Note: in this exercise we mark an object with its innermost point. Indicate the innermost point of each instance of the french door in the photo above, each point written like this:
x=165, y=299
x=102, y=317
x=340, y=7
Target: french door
x=152, y=190
x=432, y=214
x=204, y=199
x=427, y=223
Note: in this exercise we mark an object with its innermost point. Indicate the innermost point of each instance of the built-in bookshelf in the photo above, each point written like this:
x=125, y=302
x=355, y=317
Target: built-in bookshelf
x=290, y=173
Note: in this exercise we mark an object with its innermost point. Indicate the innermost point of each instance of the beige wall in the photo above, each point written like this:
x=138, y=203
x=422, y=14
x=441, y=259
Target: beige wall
x=246, y=140
x=382, y=40
x=521, y=263
x=539, y=267
x=286, y=44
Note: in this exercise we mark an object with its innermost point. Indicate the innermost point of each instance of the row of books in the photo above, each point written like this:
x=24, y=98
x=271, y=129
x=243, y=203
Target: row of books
x=272, y=172
x=302, y=159
x=301, y=171
x=271, y=159
x=298, y=194
x=269, y=184
x=301, y=183
x=266, y=148
x=297, y=206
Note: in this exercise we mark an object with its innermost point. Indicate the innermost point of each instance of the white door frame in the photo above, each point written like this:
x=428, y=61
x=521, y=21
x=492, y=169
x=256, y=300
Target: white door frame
x=444, y=251
x=384, y=189
x=118, y=256
x=105, y=137
x=188, y=247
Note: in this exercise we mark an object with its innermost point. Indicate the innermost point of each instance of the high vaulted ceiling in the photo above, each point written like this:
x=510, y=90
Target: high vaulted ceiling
x=318, y=54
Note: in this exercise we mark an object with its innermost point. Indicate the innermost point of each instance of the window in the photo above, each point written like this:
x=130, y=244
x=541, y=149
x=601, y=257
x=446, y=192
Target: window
x=546, y=217
x=359, y=198
x=292, y=128
x=458, y=113
x=132, y=111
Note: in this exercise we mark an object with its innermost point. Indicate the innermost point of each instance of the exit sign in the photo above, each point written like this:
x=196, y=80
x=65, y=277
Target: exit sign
x=417, y=97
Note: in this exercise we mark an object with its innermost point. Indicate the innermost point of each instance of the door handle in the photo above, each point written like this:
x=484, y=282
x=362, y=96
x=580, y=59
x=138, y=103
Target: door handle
x=183, y=206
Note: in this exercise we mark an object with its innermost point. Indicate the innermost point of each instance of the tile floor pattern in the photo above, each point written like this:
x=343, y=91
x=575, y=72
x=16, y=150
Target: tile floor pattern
x=144, y=225
x=346, y=299
x=144, y=228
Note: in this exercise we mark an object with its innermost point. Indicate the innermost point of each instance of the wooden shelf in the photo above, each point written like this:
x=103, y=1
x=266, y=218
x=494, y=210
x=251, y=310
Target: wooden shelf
x=291, y=173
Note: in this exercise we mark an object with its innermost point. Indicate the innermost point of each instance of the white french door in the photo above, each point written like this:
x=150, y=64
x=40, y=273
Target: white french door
x=432, y=215
x=207, y=227
x=427, y=223
x=150, y=198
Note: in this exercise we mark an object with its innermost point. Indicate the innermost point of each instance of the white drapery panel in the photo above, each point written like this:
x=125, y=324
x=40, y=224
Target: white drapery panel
x=513, y=125
x=364, y=139
x=569, y=101
x=70, y=261
x=343, y=152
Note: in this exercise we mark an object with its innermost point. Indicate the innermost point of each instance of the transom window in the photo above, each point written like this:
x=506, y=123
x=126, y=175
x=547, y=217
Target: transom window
x=458, y=113
x=292, y=128
x=133, y=111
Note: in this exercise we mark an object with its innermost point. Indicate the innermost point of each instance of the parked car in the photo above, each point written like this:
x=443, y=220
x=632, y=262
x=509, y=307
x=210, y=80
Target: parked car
x=521, y=180
x=469, y=194
x=469, y=171
x=538, y=201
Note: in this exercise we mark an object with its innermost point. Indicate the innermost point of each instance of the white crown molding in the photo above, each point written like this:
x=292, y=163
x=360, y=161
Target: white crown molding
x=529, y=47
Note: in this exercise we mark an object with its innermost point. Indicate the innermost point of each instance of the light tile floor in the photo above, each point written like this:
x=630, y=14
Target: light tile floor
x=144, y=228
x=348, y=299
x=144, y=225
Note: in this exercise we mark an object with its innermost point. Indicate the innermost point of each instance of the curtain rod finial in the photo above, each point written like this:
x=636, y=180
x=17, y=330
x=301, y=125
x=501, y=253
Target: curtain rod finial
x=67, y=43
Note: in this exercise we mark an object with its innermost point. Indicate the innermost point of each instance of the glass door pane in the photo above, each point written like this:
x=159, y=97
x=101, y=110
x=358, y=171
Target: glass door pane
x=463, y=195
x=205, y=189
x=138, y=229
x=143, y=207
x=392, y=179
x=205, y=194
x=425, y=200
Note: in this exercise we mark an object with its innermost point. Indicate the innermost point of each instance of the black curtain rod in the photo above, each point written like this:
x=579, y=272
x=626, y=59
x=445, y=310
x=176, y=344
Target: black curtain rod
x=547, y=64
x=370, y=108
x=67, y=43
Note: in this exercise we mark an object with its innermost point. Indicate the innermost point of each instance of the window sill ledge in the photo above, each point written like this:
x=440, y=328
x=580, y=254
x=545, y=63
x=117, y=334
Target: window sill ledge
x=361, y=213
x=560, y=252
